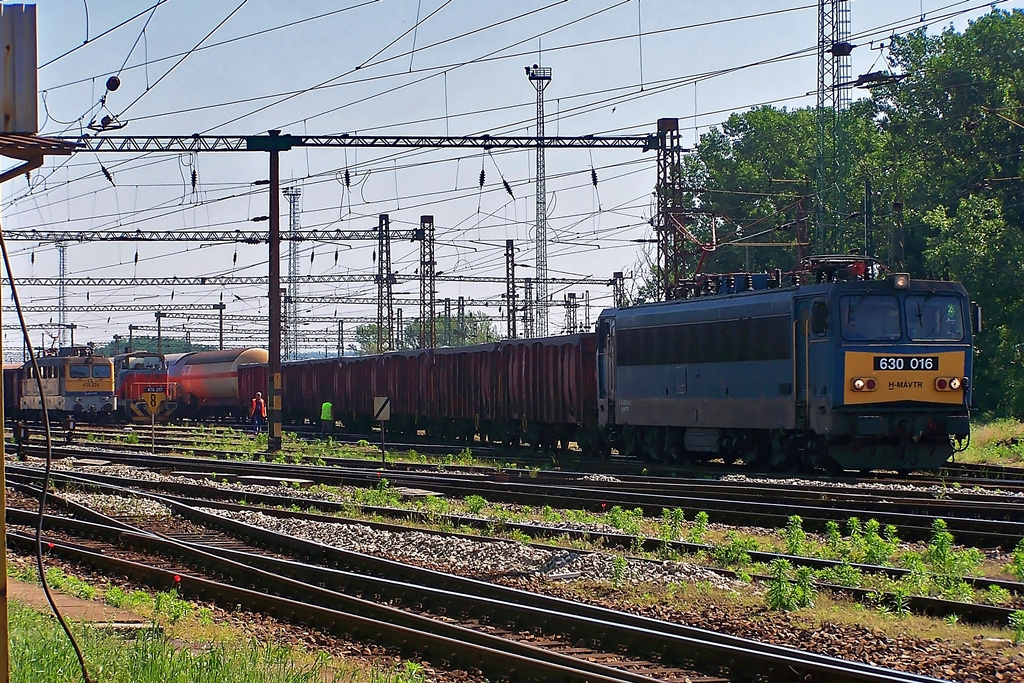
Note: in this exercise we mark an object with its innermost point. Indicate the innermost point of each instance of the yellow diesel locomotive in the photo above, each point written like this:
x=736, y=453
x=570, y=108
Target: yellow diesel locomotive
x=75, y=382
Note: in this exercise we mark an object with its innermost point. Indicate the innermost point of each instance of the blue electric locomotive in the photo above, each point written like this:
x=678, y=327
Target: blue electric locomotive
x=841, y=369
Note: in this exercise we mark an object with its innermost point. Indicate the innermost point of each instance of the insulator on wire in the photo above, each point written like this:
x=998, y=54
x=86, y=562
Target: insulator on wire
x=107, y=175
x=32, y=259
x=195, y=179
x=373, y=256
x=87, y=296
x=593, y=177
x=234, y=258
x=172, y=295
x=508, y=188
x=136, y=257
x=483, y=176
x=348, y=179
x=335, y=256
x=311, y=255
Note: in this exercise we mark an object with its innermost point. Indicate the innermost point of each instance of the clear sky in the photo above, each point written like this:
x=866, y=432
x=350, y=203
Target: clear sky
x=416, y=67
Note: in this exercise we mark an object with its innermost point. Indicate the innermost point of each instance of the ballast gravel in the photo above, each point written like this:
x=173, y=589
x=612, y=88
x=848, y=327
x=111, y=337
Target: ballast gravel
x=493, y=558
x=936, y=490
x=119, y=505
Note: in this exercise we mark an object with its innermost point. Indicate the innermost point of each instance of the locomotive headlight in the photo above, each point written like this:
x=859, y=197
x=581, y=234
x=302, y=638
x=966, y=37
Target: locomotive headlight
x=900, y=280
x=863, y=384
x=950, y=384
x=955, y=383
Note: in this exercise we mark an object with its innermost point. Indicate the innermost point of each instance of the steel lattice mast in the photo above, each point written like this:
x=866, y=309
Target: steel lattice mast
x=62, y=288
x=291, y=344
x=833, y=92
x=540, y=77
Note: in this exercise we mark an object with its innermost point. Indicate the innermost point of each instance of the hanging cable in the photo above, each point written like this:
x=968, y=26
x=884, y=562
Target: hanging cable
x=49, y=462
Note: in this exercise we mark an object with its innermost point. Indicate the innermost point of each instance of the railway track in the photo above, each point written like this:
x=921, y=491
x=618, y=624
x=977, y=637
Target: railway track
x=981, y=521
x=557, y=638
x=278, y=505
x=177, y=438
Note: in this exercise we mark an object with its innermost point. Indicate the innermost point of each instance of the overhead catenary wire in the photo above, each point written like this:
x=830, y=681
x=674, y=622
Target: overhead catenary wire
x=101, y=35
x=149, y=88
x=948, y=5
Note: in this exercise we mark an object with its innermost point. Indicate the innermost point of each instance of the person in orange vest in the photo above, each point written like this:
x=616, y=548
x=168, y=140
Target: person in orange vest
x=258, y=413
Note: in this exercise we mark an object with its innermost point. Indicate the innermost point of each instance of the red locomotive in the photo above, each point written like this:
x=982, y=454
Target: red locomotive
x=142, y=388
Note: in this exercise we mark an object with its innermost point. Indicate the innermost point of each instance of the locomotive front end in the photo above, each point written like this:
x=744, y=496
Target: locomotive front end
x=905, y=350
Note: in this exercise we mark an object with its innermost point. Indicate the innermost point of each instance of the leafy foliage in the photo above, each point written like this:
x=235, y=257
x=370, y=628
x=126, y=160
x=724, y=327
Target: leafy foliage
x=783, y=594
x=733, y=551
x=699, y=529
x=936, y=156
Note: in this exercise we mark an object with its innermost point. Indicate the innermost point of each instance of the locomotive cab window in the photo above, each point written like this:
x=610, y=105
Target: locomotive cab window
x=101, y=371
x=78, y=372
x=819, y=318
x=869, y=318
x=934, y=317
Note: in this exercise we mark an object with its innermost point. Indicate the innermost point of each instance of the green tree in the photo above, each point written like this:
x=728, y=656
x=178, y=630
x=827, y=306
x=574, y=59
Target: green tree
x=168, y=345
x=954, y=128
x=940, y=147
x=476, y=328
x=978, y=246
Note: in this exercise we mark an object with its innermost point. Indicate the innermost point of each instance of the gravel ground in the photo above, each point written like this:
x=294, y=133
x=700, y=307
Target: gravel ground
x=936, y=490
x=559, y=571
x=495, y=558
x=119, y=505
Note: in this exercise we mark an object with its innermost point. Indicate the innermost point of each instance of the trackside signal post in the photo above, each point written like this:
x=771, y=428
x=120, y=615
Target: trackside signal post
x=382, y=413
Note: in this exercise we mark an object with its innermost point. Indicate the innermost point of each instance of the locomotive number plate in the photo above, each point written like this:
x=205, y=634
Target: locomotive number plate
x=906, y=363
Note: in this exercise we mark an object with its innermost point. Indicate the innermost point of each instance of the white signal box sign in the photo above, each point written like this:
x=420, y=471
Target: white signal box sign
x=381, y=408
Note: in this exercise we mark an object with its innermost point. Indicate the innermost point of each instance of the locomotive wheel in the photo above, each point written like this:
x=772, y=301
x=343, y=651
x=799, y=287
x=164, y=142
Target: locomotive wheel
x=654, y=443
x=675, y=448
x=632, y=441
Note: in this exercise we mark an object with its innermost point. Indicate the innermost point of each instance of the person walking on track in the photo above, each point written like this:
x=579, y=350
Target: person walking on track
x=258, y=413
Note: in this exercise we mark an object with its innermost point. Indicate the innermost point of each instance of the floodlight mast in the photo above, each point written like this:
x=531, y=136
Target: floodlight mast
x=540, y=77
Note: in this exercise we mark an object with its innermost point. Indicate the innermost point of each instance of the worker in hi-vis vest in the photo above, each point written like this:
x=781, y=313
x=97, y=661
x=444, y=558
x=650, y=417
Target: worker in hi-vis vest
x=258, y=413
x=326, y=419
